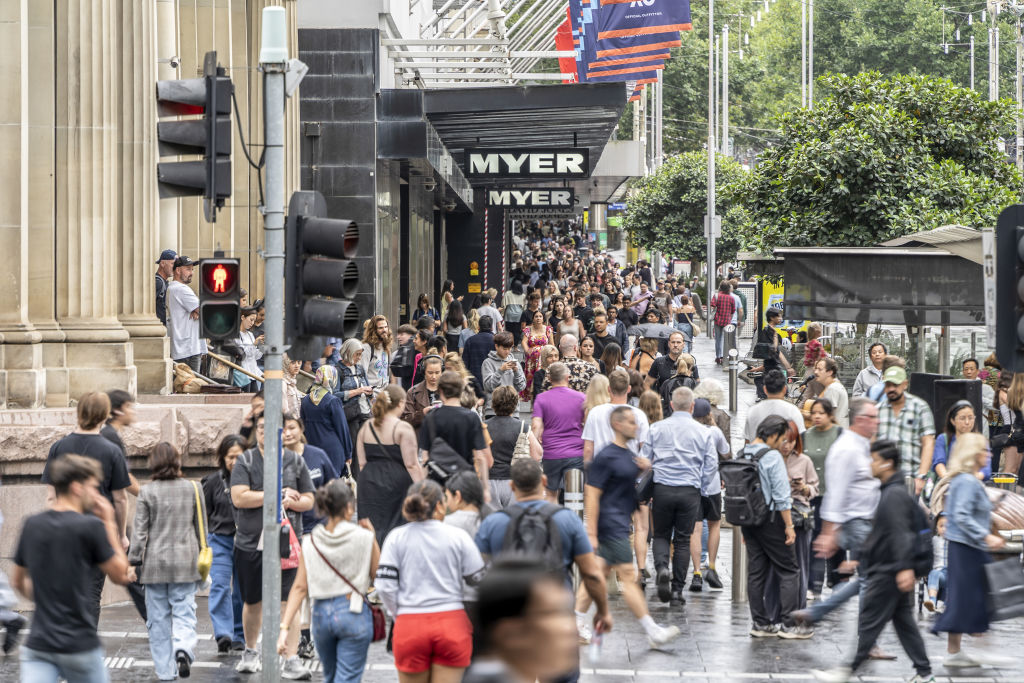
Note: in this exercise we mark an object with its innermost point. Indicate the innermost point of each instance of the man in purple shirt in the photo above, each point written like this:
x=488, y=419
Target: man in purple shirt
x=558, y=424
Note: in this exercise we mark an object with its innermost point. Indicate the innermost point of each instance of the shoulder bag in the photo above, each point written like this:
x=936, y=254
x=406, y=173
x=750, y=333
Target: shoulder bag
x=522, y=447
x=1005, y=589
x=443, y=461
x=205, y=560
x=380, y=622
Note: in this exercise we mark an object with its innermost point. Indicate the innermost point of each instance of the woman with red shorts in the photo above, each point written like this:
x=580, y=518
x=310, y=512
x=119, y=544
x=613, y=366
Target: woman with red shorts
x=424, y=567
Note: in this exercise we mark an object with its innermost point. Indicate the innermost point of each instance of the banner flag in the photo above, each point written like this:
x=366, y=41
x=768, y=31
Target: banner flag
x=620, y=19
x=563, y=41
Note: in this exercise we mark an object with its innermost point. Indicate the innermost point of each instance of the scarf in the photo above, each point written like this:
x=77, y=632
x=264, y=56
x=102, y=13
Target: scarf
x=326, y=378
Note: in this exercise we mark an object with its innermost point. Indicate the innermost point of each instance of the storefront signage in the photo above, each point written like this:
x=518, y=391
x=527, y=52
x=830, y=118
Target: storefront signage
x=568, y=162
x=537, y=198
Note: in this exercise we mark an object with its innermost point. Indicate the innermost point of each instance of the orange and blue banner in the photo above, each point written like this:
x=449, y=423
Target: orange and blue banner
x=631, y=18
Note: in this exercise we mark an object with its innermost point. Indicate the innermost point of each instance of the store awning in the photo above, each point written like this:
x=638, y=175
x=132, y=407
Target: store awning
x=536, y=116
x=880, y=285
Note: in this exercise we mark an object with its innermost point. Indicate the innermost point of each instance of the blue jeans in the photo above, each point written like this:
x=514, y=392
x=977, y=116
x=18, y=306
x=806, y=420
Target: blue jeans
x=171, y=608
x=79, y=667
x=851, y=537
x=342, y=639
x=719, y=341
x=225, y=602
x=937, y=583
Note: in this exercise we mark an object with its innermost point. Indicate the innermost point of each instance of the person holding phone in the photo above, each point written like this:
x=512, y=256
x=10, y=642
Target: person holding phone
x=501, y=369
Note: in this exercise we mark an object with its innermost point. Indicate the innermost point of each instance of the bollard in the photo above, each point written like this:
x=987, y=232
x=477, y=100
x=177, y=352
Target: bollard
x=573, y=496
x=730, y=338
x=739, y=566
x=733, y=380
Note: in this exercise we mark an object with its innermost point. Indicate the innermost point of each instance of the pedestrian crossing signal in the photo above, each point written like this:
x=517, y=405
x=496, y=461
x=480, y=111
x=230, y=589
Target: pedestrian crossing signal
x=219, y=298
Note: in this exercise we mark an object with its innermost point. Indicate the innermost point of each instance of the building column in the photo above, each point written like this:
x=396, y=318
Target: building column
x=138, y=219
x=167, y=47
x=88, y=67
x=22, y=378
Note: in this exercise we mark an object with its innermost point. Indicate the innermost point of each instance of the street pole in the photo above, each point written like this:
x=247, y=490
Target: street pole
x=810, y=54
x=1017, y=152
x=803, y=54
x=972, y=62
x=273, y=63
x=725, y=90
x=711, y=161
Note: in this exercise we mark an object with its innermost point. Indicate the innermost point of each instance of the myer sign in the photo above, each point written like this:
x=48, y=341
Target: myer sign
x=537, y=198
x=569, y=162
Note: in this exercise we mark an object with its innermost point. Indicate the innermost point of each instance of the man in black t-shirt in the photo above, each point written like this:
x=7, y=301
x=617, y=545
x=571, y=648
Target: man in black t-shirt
x=664, y=367
x=458, y=426
x=768, y=348
x=57, y=554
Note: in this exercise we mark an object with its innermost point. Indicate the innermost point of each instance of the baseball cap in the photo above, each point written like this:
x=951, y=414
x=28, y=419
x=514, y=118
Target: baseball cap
x=895, y=375
x=167, y=255
x=701, y=407
x=183, y=261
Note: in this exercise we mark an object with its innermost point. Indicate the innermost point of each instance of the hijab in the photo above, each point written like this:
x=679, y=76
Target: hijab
x=326, y=378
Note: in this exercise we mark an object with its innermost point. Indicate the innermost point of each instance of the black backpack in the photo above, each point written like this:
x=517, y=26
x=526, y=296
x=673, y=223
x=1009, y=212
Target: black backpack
x=532, y=532
x=670, y=385
x=921, y=555
x=403, y=360
x=443, y=460
x=743, y=497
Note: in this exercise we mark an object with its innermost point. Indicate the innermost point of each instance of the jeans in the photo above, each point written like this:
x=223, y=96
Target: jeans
x=676, y=509
x=767, y=553
x=75, y=667
x=171, y=625
x=687, y=330
x=883, y=602
x=719, y=341
x=191, y=361
x=225, y=602
x=342, y=639
x=937, y=583
x=851, y=537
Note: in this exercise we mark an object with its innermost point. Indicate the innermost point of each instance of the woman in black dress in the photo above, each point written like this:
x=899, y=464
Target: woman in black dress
x=388, y=462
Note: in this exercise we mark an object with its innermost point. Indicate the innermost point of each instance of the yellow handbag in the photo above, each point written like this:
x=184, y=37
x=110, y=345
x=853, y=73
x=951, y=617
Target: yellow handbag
x=205, y=560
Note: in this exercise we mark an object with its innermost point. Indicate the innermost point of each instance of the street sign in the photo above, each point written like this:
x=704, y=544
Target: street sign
x=565, y=162
x=617, y=206
x=988, y=250
x=718, y=226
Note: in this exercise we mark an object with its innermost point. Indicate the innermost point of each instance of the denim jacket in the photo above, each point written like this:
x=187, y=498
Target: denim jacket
x=351, y=378
x=968, y=511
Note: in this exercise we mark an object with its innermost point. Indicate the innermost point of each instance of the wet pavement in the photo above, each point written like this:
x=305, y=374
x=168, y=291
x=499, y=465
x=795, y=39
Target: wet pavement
x=714, y=645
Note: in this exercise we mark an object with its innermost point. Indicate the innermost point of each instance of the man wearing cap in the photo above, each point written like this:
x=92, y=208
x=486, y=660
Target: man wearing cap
x=907, y=420
x=164, y=271
x=183, y=316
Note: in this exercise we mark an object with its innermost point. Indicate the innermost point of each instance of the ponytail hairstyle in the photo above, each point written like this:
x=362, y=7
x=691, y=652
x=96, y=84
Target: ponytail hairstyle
x=334, y=498
x=469, y=486
x=390, y=396
x=421, y=500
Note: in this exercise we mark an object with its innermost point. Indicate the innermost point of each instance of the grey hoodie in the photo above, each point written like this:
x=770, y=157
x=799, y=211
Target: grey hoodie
x=494, y=377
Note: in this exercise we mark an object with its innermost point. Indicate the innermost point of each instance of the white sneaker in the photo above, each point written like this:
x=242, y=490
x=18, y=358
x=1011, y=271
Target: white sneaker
x=584, y=630
x=838, y=675
x=960, y=660
x=294, y=670
x=665, y=634
x=250, y=662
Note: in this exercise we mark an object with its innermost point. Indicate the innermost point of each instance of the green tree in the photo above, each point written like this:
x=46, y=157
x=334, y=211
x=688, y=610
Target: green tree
x=878, y=158
x=666, y=209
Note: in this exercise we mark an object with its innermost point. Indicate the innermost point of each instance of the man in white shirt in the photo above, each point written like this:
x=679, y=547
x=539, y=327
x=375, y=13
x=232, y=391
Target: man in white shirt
x=487, y=308
x=598, y=432
x=775, y=404
x=183, y=316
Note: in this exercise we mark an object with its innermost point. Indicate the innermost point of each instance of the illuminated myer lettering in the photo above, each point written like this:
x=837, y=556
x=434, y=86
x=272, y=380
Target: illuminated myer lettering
x=572, y=162
x=555, y=198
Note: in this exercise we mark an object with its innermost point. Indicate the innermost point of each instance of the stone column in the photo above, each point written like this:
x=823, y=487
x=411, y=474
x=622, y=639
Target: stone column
x=167, y=47
x=88, y=67
x=139, y=223
x=22, y=379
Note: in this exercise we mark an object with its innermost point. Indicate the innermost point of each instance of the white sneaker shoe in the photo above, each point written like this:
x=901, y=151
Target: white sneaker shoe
x=294, y=670
x=665, y=635
x=960, y=660
x=250, y=662
x=838, y=675
x=584, y=630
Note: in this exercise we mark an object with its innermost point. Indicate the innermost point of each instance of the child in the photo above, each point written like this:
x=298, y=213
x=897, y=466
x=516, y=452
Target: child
x=937, y=576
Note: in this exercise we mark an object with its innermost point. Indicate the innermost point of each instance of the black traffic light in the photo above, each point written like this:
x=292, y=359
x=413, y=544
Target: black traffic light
x=209, y=137
x=320, y=276
x=219, y=306
x=1010, y=288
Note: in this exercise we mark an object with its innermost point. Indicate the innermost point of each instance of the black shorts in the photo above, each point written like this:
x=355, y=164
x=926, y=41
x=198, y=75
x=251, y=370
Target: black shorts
x=615, y=551
x=711, y=507
x=555, y=470
x=249, y=569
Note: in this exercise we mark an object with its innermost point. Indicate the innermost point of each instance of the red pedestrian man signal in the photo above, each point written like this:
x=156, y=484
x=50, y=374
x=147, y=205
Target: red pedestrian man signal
x=220, y=276
x=219, y=305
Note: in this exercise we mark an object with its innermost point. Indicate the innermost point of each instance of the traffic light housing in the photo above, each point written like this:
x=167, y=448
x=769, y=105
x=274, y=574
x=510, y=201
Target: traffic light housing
x=1010, y=288
x=219, y=298
x=209, y=137
x=321, y=277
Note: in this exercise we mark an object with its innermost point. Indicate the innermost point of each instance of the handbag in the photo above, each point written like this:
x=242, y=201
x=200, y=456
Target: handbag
x=803, y=516
x=443, y=461
x=205, y=560
x=380, y=622
x=353, y=409
x=522, y=447
x=1005, y=589
x=645, y=486
x=291, y=560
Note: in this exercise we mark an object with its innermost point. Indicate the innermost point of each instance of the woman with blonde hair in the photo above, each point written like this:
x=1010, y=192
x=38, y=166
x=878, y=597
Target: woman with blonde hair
x=597, y=394
x=453, y=362
x=388, y=462
x=471, y=327
x=968, y=532
x=548, y=355
x=643, y=356
x=650, y=403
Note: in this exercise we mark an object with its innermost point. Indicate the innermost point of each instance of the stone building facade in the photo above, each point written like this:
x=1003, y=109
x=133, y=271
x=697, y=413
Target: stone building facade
x=80, y=221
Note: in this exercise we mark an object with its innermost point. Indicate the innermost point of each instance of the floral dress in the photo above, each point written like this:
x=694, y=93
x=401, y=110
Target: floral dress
x=534, y=344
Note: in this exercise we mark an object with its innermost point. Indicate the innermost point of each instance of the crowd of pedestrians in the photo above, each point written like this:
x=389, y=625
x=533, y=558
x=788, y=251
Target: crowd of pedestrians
x=431, y=470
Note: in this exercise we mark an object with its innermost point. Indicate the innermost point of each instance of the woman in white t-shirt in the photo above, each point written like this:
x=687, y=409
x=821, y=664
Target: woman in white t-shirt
x=424, y=567
x=247, y=348
x=342, y=622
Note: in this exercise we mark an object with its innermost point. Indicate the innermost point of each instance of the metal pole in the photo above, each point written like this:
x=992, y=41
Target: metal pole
x=733, y=380
x=944, y=350
x=1020, y=96
x=922, y=342
x=810, y=54
x=803, y=54
x=739, y=566
x=972, y=62
x=725, y=90
x=711, y=161
x=574, y=501
x=974, y=344
x=273, y=63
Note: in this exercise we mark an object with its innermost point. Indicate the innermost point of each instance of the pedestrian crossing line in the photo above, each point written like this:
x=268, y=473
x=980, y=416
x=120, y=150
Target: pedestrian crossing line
x=141, y=635
x=662, y=674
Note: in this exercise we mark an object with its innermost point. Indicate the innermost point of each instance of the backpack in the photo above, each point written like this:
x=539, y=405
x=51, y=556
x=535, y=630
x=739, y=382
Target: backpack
x=670, y=385
x=921, y=555
x=513, y=312
x=443, y=460
x=743, y=497
x=403, y=360
x=532, y=532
